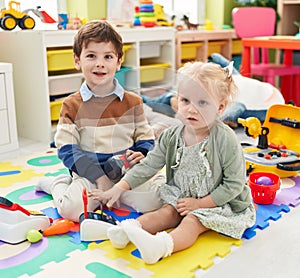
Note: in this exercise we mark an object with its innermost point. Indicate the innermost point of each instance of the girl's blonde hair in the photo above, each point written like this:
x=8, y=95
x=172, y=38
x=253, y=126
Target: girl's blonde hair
x=212, y=77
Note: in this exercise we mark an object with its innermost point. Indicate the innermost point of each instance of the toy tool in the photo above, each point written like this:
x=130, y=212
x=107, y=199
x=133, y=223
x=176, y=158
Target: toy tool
x=93, y=225
x=278, y=145
x=16, y=221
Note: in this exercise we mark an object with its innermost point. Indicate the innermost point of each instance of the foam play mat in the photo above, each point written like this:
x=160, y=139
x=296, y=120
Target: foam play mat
x=66, y=255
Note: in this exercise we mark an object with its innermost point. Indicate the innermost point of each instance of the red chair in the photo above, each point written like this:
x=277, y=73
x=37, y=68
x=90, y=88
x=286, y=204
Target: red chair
x=261, y=21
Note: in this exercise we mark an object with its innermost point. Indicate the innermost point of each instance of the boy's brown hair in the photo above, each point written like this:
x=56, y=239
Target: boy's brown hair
x=97, y=31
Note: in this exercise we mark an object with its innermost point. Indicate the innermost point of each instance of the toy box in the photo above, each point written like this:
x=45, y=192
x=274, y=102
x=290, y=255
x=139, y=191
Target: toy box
x=278, y=142
x=153, y=72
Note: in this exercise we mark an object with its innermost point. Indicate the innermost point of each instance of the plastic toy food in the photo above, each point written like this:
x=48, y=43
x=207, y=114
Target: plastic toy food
x=16, y=221
x=263, y=180
x=34, y=236
x=59, y=227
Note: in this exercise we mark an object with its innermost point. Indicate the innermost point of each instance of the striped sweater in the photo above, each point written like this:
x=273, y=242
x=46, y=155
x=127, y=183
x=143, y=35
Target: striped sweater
x=90, y=132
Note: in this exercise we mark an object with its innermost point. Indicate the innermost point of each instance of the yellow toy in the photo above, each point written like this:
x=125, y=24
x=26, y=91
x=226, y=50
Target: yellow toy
x=278, y=145
x=161, y=19
x=13, y=16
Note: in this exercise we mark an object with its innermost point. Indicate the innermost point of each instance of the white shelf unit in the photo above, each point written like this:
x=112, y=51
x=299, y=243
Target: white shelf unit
x=27, y=51
x=8, y=124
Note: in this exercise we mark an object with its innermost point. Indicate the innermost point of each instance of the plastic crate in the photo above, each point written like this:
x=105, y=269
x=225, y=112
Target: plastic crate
x=237, y=47
x=150, y=49
x=153, y=72
x=65, y=83
x=215, y=47
x=55, y=107
x=263, y=193
x=61, y=59
x=189, y=50
x=126, y=47
x=121, y=75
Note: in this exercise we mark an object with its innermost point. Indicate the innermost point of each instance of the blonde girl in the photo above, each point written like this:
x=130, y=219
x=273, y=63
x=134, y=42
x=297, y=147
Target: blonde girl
x=205, y=187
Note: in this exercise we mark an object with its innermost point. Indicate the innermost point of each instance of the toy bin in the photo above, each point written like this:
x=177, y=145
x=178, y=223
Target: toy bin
x=237, y=47
x=126, y=47
x=55, y=107
x=215, y=47
x=153, y=72
x=150, y=49
x=189, y=50
x=62, y=84
x=61, y=59
x=121, y=75
x=263, y=193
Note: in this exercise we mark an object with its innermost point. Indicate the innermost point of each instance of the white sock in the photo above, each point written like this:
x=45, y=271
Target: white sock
x=117, y=235
x=46, y=184
x=151, y=247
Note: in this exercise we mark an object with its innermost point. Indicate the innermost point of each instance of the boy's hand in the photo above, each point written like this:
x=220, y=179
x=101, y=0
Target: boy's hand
x=104, y=183
x=133, y=157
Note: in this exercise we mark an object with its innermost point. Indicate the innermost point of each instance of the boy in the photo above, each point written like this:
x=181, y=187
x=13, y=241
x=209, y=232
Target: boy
x=96, y=123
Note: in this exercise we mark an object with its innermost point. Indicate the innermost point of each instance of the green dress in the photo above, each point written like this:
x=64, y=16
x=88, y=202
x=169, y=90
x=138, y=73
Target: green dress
x=193, y=178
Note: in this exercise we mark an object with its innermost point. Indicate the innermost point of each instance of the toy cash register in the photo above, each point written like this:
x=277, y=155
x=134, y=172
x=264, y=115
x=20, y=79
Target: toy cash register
x=16, y=221
x=93, y=225
x=278, y=145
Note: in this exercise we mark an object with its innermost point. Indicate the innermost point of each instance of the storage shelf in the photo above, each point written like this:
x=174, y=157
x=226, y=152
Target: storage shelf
x=209, y=41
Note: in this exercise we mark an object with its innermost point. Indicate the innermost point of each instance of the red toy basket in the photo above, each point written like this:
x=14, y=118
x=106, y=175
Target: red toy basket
x=263, y=194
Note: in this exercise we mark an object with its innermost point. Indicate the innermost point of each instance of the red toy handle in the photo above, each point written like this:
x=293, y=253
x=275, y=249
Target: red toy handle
x=85, y=202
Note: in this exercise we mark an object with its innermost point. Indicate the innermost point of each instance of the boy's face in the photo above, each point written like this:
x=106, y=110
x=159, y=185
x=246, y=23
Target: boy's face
x=98, y=63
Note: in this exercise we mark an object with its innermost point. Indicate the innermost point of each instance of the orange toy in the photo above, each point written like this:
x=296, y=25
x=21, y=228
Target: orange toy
x=59, y=227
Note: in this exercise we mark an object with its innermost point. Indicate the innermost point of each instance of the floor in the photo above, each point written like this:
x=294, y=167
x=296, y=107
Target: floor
x=274, y=252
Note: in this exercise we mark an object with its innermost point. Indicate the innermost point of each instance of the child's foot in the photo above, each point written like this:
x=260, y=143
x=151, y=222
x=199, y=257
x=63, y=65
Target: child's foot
x=151, y=247
x=46, y=184
x=118, y=236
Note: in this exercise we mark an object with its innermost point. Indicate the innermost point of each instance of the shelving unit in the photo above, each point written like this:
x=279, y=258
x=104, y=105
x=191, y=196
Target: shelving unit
x=206, y=40
x=289, y=11
x=34, y=83
x=8, y=125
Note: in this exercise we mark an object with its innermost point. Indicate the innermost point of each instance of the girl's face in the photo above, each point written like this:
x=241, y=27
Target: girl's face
x=196, y=107
x=98, y=63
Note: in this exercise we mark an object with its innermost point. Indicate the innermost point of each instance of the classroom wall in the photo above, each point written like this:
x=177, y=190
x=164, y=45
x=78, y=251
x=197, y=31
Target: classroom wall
x=88, y=9
x=219, y=12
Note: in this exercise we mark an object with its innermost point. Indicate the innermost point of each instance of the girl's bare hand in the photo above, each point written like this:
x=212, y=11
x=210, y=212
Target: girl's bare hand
x=186, y=205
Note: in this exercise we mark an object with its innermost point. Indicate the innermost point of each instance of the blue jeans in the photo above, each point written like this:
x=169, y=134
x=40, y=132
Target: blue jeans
x=161, y=104
x=237, y=110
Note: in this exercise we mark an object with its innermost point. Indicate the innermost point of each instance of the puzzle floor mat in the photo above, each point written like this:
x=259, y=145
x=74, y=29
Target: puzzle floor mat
x=66, y=255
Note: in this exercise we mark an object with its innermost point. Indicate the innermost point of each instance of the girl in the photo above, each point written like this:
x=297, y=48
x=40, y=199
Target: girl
x=206, y=178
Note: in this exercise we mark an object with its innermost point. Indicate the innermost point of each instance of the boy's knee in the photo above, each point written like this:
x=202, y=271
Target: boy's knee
x=69, y=209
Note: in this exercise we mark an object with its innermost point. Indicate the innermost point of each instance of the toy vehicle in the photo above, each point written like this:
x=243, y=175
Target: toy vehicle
x=16, y=221
x=12, y=17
